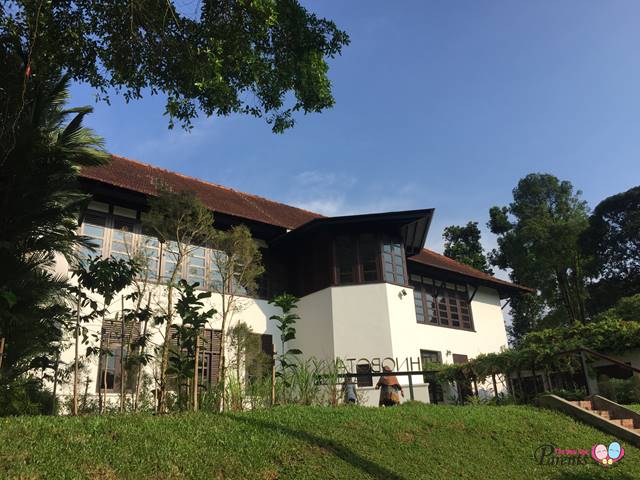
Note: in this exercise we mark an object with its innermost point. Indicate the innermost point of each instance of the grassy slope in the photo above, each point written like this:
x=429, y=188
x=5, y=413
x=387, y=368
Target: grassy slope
x=417, y=441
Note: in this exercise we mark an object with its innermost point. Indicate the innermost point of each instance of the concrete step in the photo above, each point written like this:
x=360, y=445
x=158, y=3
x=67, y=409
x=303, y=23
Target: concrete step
x=598, y=414
x=586, y=404
x=624, y=422
x=602, y=413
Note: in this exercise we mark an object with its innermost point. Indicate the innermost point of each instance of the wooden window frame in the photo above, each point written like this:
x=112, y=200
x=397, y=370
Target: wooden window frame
x=111, y=332
x=386, y=240
x=442, y=293
x=358, y=267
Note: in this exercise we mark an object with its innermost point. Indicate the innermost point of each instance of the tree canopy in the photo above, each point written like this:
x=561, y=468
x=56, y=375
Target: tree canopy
x=538, y=241
x=462, y=243
x=266, y=58
x=613, y=238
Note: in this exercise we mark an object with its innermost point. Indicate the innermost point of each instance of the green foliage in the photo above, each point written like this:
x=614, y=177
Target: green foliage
x=106, y=276
x=613, y=238
x=411, y=442
x=627, y=308
x=286, y=323
x=624, y=391
x=25, y=396
x=182, y=222
x=571, y=395
x=190, y=308
x=42, y=147
x=538, y=236
x=264, y=58
x=540, y=351
x=238, y=260
x=178, y=217
x=463, y=245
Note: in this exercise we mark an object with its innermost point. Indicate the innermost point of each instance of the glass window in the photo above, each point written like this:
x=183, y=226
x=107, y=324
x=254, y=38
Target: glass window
x=369, y=251
x=217, y=261
x=436, y=393
x=196, y=266
x=150, y=250
x=121, y=244
x=109, y=371
x=93, y=227
x=170, y=257
x=442, y=306
x=393, y=263
x=345, y=260
x=417, y=297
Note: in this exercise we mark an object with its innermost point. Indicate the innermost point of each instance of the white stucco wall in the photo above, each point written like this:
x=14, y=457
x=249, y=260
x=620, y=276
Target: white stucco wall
x=353, y=322
x=314, y=330
x=361, y=326
x=253, y=312
x=377, y=321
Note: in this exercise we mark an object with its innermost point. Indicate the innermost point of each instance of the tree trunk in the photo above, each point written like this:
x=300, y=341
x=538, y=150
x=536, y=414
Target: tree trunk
x=222, y=373
x=195, y=374
x=139, y=373
x=535, y=378
x=86, y=393
x=1, y=350
x=523, y=396
x=162, y=407
x=55, y=384
x=76, y=360
x=495, y=385
x=104, y=375
x=579, y=288
x=563, y=285
x=123, y=375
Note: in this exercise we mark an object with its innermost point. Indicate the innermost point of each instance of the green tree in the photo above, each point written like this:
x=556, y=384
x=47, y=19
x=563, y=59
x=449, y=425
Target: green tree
x=286, y=324
x=106, y=277
x=538, y=236
x=462, y=243
x=265, y=58
x=39, y=206
x=182, y=224
x=613, y=238
x=185, y=358
x=237, y=264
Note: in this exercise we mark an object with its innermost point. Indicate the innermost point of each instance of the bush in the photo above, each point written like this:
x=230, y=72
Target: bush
x=571, y=395
x=25, y=397
x=626, y=390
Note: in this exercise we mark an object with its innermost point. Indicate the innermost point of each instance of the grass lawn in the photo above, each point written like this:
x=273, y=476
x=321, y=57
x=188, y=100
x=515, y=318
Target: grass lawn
x=408, y=442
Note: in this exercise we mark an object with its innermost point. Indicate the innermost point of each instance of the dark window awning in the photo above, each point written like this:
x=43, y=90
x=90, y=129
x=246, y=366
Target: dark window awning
x=411, y=225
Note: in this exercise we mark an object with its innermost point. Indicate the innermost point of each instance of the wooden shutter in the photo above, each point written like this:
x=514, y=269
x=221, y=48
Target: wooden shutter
x=459, y=359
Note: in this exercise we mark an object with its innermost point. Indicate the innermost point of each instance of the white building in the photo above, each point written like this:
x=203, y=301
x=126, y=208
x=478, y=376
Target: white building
x=370, y=294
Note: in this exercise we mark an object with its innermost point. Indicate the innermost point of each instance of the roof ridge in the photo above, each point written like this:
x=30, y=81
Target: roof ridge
x=205, y=182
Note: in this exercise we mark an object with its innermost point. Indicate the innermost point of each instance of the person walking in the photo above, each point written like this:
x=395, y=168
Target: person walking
x=349, y=391
x=389, y=388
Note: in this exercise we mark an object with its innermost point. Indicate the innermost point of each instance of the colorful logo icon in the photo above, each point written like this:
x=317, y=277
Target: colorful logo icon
x=607, y=456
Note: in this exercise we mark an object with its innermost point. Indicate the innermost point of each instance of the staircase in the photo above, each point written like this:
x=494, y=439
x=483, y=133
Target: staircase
x=601, y=413
x=627, y=422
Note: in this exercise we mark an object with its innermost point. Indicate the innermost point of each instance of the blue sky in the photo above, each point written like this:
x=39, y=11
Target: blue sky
x=438, y=104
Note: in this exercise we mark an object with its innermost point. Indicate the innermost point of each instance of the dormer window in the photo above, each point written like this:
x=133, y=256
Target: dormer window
x=367, y=258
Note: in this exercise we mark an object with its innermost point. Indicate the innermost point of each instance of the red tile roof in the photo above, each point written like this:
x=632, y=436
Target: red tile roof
x=435, y=260
x=141, y=177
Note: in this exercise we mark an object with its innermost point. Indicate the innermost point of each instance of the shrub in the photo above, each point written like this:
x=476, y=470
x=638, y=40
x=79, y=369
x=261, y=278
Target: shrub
x=25, y=397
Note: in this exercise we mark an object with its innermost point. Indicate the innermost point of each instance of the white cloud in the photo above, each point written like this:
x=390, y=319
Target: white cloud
x=336, y=194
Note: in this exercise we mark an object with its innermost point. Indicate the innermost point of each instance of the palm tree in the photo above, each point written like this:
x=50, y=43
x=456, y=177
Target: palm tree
x=41, y=155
